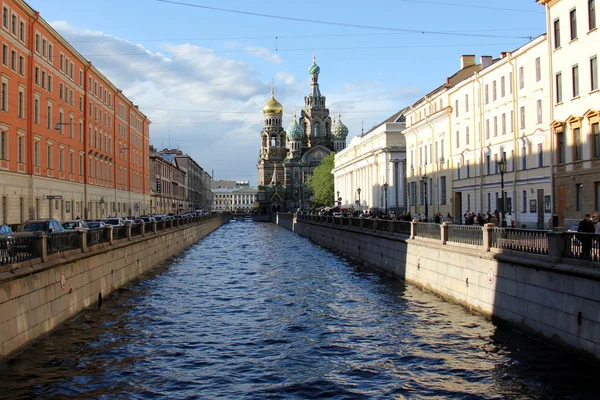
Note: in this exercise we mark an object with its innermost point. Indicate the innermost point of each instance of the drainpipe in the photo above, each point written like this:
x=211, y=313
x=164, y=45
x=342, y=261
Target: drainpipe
x=551, y=108
x=479, y=105
x=515, y=133
x=433, y=182
x=30, y=141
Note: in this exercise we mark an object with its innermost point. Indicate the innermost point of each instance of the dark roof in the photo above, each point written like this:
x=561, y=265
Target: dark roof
x=393, y=118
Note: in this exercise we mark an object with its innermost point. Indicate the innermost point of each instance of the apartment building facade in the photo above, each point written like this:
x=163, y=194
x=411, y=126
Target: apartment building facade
x=169, y=193
x=573, y=51
x=58, y=153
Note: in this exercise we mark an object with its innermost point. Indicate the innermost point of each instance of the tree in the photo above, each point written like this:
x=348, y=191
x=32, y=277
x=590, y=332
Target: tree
x=321, y=182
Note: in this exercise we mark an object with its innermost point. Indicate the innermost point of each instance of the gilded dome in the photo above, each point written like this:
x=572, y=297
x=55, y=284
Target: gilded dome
x=273, y=106
x=339, y=130
x=294, y=131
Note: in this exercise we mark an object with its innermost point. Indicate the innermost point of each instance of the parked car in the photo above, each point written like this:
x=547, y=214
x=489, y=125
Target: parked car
x=95, y=224
x=47, y=225
x=117, y=221
x=77, y=224
x=147, y=219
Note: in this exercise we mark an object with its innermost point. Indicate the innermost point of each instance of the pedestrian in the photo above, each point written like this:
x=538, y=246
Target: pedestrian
x=509, y=220
x=586, y=227
x=77, y=218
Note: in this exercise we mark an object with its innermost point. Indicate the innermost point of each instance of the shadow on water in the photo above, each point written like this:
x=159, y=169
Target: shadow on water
x=256, y=312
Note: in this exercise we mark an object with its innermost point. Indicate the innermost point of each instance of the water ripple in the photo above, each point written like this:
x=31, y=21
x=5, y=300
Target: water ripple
x=256, y=312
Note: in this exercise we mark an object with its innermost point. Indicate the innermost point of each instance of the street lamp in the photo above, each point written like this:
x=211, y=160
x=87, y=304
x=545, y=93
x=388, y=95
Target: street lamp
x=358, y=191
x=502, y=168
x=385, y=188
x=425, y=179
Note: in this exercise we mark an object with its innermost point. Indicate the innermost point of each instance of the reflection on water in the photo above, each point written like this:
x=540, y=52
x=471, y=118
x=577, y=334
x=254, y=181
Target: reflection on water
x=256, y=312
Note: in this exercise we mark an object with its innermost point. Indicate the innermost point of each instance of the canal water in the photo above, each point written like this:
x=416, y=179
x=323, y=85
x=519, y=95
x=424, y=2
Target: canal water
x=256, y=312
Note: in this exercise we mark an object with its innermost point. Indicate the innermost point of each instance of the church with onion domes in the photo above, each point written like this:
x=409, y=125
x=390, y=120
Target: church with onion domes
x=288, y=156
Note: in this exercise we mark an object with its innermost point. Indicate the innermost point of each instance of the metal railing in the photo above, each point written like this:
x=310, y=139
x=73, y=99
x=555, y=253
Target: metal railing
x=119, y=232
x=18, y=249
x=136, y=229
x=428, y=230
x=402, y=227
x=62, y=241
x=465, y=234
x=529, y=241
x=584, y=246
x=96, y=236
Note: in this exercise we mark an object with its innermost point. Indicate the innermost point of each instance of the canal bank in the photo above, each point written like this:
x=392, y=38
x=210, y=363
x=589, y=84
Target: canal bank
x=556, y=298
x=39, y=295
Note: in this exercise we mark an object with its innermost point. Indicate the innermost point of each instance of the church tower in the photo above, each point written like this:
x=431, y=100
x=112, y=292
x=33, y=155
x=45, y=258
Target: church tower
x=315, y=120
x=273, y=144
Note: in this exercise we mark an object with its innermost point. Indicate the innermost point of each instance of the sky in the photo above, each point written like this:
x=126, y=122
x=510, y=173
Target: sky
x=202, y=70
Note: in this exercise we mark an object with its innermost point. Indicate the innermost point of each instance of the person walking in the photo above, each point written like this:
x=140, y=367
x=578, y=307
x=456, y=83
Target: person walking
x=586, y=226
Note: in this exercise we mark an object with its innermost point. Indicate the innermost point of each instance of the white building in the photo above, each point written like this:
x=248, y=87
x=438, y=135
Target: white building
x=573, y=48
x=371, y=161
x=232, y=199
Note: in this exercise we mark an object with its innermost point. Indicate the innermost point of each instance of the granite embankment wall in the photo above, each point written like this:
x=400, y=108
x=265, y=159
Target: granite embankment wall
x=556, y=298
x=36, y=298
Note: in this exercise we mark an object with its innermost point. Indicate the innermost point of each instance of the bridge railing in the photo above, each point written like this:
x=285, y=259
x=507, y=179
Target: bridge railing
x=39, y=246
x=570, y=245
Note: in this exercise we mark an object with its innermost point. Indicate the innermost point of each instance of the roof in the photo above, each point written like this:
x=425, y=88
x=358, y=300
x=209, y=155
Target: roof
x=394, y=118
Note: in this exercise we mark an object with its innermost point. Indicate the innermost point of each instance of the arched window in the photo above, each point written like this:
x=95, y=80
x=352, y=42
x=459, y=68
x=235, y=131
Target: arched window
x=273, y=141
x=316, y=129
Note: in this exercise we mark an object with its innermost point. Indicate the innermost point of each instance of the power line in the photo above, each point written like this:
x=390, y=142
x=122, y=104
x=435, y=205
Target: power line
x=472, y=6
x=331, y=23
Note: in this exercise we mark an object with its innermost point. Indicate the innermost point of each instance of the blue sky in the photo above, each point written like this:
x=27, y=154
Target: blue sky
x=202, y=75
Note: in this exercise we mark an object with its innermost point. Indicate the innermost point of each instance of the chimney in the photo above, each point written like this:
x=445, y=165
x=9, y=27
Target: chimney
x=504, y=54
x=486, y=61
x=467, y=61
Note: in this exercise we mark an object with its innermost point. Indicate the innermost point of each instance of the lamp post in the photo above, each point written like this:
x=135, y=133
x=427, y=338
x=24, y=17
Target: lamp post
x=385, y=188
x=425, y=179
x=358, y=191
x=502, y=167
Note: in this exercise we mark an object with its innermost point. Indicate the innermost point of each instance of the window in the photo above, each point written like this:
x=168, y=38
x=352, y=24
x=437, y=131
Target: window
x=467, y=135
x=466, y=103
x=455, y=108
x=524, y=201
x=21, y=65
x=4, y=97
x=36, y=111
x=20, y=105
x=579, y=191
x=488, y=169
x=49, y=157
x=494, y=91
x=512, y=121
x=13, y=60
x=22, y=31
x=487, y=128
x=504, y=123
x=592, y=21
x=61, y=157
x=71, y=155
x=468, y=168
x=5, y=17
x=502, y=87
x=81, y=132
x=510, y=83
x=458, y=170
x=49, y=115
x=522, y=119
x=575, y=80
x=50, y=51
x=43, y=79
x=538, y=70
x=558, y=88
x=13, y=24
x=443, y=190
x=594, y=73
x=578, y=145
x=457, y=139
x=521, y=78
x=487, y=94
x=495, y=126
x=560, y=147
x=5, y=54
x=538, y=105
x=36, y=153
x=523, y=158
x=596, y=136
x=80, y=165
x=540, y=151
x=556, y=33
x=468, y=202
x=3, y=145
x=573, y=23
x=20, y=149
x=496, y=167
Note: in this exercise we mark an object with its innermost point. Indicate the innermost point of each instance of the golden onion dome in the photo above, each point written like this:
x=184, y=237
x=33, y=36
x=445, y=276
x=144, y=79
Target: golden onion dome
x=273, y=106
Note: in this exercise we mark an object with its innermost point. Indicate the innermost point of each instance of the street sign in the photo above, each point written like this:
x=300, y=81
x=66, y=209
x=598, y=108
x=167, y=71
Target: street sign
x=53, y=197
x=357, y=202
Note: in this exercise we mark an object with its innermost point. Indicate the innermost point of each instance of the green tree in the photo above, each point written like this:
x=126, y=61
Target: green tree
x=321, y=182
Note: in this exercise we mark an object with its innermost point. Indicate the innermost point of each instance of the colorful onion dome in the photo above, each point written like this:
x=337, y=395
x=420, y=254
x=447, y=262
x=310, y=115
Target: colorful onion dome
x=339, y=130
x=294, y=131
x=314, y=68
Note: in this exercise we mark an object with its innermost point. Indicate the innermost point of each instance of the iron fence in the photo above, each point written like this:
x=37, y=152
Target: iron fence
x=18, y=249
x=62, y=241
x=96, y=236
x=466, y=234
x=402, y=227
x=428, y=230
x=136, y=229
x=368, y=223
x=119, y=232
x=525, y=240
x=584, y=246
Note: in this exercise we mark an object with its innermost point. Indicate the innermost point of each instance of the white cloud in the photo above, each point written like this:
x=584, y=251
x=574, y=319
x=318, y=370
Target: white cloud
x=264, y=53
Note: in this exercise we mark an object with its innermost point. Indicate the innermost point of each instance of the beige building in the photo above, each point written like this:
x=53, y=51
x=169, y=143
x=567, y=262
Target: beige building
x=573, y=50
x=226, y=199
x=368, y=163
x=167, y=184
x=501, y=113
